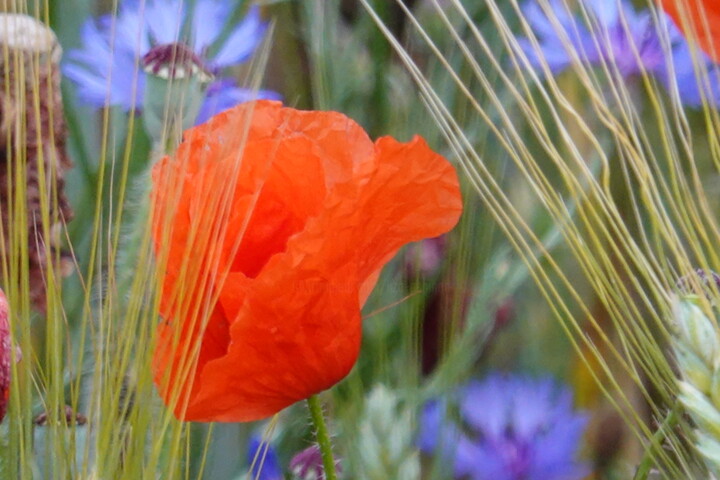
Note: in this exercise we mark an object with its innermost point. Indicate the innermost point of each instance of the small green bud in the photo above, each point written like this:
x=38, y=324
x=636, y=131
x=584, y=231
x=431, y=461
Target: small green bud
x=386, y=438
x=710, y=449
x=693, y=369
x=715, y=387
x=174, y=89
x=705, y=414
x=695, y=330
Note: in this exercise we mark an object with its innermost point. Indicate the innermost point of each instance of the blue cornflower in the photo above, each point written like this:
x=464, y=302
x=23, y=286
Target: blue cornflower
x=616, y=35
x=107, y=69
x=507, y=428
x=687, y=77
x=263, y=461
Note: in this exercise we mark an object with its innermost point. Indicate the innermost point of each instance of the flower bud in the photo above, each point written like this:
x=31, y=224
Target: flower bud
x=308, y=465
x=695, y=329
x=706, y=416
x=693, y=369
x=174, y=89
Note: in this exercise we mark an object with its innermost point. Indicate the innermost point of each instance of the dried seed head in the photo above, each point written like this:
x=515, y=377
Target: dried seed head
x=23, y=33
x=32, y=145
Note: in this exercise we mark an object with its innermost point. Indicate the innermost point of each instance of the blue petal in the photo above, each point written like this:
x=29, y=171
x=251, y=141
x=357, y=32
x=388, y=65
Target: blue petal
x=131, y=31
x=691, y=82
x=263, y=461
x=104, y=74
x=440, y=436
x=208, y=20
x=484, y=405
x=91, y=88
x=224, y=93
x=521, y=428
x=242, y=41
x=606, y=11
x=165, y=20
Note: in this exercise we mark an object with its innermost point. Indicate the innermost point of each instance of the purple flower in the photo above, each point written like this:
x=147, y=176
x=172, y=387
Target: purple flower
x=693, y=78
x=263, y=461
x=424, y=258
x=507, y=428
x=308, y=464
x=616, y=35
x=224, y=93
x=619, y=37
x=107, y=70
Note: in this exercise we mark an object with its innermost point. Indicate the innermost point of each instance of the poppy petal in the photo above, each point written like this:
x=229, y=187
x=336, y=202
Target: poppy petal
x=314, y=211
x=703, y=17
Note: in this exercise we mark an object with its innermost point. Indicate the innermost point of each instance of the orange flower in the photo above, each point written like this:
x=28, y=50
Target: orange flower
x=275, y=224
x=703, y=17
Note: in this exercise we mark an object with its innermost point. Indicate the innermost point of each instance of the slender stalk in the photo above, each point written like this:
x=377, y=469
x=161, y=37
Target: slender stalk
x=323, y=438
x=649, y=458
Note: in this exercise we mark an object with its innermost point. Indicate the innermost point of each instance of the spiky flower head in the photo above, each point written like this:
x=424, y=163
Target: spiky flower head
x=506, y=428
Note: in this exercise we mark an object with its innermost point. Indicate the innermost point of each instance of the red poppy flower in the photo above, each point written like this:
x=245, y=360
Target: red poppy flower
x=272, y=225
x=703, y=17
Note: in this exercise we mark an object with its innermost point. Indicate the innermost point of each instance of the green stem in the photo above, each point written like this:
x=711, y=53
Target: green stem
x=323, y=439
x=648, y=460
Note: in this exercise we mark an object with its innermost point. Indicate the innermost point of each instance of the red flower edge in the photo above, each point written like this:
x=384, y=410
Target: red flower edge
x=703, y=17
x=271, y=227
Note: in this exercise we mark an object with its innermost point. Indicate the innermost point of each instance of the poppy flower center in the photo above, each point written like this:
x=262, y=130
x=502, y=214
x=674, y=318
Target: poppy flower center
x=292, y=191
x=270, y=227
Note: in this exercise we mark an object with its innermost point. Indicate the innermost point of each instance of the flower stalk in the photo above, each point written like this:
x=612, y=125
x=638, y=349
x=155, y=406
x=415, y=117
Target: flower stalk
x=322, y=436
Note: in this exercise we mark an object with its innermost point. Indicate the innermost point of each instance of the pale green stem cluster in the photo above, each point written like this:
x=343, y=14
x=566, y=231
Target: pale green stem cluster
x=386, y=437
x=696, y=344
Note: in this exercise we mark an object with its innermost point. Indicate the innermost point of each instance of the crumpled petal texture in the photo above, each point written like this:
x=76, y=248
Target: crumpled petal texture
x=701, y=15
x=275, y=224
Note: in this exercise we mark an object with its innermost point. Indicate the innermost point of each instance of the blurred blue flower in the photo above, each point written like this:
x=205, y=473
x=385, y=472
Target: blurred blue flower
x=225, y=93
x=507, y=428
x=263, y=461
x=107, y=68
x=693, y=78
x=620, y=37
x=616, y=34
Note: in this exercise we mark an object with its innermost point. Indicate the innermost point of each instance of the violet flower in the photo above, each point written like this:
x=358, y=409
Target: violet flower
x=107, y=70
x=615, y=34
x=263, y=461
x=507, y=428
